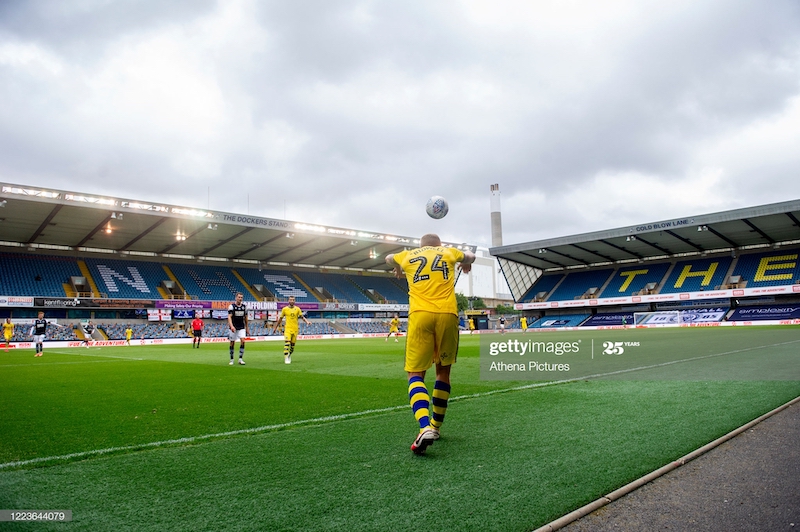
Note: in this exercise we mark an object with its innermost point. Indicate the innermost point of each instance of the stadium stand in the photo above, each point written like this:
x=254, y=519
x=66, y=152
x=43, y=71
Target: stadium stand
x=46, y=276
x=336, y=286
x=697, y=275
x=317, y=328
x=381, y=289
x=22, y=333
x=372, y=327
x=116, y=331
x=633, y=280
x=542, y=287
x=36, y=275
x=209, y=282
x=577, y=284
x=280, y=283
x=566, y=320
x=773, y=268
x=257, y=328
x=768, y=269
x=127, y=279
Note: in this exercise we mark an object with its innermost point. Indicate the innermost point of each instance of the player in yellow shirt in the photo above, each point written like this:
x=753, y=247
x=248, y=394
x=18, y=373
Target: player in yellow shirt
x=394, y=328
x=523, y=323
x=8, y=332
x=128, y=335
x=293, y=316
x=432, y=336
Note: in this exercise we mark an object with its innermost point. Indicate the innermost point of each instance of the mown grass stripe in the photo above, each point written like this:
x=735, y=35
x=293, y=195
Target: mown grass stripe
x=340, y=417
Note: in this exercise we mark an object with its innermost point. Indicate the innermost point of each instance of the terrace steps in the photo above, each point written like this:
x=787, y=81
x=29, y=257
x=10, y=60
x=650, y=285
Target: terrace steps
x=89, y=279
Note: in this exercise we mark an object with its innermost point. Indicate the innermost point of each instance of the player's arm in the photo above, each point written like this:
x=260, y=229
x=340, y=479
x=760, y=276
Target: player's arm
x=277, y=322
x=466, y=262
x=246, y=324
x=230, y=321
x=305, y=319
x=398, y=271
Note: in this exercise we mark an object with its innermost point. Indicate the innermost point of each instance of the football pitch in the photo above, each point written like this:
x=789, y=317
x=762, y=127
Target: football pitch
x=173, y=438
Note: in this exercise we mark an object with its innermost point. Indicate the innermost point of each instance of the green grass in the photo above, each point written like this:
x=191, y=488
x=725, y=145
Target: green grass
x=510, y=458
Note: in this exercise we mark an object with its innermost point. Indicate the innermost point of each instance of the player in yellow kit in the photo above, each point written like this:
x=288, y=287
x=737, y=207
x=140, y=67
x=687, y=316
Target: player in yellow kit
x=293, y=316
x=432, y=336
x=394, y=328
x=8, y=332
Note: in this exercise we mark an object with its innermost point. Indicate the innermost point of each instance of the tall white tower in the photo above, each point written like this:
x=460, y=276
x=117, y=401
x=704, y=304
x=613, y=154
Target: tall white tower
x=497, y=223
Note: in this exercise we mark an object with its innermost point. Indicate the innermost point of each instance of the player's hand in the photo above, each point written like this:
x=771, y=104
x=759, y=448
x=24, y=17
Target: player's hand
x=466, y=268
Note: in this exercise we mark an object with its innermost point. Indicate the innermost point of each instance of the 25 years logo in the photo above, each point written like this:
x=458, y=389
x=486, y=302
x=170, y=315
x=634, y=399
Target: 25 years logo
x=617, y=348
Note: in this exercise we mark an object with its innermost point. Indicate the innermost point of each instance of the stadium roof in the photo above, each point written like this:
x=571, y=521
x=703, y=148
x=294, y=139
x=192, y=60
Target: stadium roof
x=750, y=228
x=37, y=219
x=766, y=226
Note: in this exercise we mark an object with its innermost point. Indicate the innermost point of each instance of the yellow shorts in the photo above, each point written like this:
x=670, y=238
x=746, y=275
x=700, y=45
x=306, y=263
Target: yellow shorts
x=290, y=337
x=8, y=337
x=393, y=330
x=432, y=338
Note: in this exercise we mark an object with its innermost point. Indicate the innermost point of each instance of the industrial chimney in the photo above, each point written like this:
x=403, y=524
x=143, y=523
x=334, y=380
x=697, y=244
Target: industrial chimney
x=497, y=224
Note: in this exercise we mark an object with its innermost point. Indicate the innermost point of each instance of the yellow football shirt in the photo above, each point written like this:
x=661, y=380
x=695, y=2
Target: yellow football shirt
x=8, y=330
x=292, y=317
x=431, y=275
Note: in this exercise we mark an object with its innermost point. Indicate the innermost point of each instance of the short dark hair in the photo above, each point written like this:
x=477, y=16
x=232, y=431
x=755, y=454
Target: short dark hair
x=430, y=239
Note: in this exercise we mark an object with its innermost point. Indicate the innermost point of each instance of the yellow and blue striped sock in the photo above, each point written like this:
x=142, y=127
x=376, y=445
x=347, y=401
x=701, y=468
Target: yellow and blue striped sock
x=441, y=393
x=420, y=400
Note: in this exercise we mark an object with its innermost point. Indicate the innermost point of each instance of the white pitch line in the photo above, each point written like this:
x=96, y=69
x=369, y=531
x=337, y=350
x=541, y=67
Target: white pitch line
x=191, y=439
x=340, y=417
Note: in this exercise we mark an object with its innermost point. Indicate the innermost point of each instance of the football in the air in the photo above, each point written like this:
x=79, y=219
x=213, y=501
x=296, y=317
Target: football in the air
x=437, y=207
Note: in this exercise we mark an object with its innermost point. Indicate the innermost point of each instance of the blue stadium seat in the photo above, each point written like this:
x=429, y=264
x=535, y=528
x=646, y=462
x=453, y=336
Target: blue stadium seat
x=545, y=284
x=696, y=275
x=577, y=283
x=773, y=268
x=215, y=283
x=127, y=279
x=36, y=275
x=630, y=280
x=337, y=285
x=280, y=282
x=393, y=290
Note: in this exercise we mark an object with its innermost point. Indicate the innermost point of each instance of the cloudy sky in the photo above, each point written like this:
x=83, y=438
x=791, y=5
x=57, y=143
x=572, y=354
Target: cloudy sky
x=589, y=115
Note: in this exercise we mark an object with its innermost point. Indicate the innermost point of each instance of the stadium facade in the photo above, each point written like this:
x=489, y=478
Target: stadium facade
x=81, y=256
x=710, y=265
